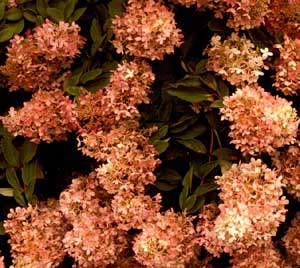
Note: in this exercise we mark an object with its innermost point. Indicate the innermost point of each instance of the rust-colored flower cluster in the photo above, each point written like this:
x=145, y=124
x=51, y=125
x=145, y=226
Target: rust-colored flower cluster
x=147, y=29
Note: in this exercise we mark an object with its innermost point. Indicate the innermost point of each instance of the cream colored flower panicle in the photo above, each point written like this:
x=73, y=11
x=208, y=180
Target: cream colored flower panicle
x=259, y=122
x=236, y=59
x=252, y=209
x=146, y=29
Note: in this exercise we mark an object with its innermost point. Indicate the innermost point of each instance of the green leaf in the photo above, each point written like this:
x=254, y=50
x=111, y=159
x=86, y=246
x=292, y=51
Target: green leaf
x=41, y=7
x=161, y=133
x=202, y=170
x=91, y=75
x=29, y=190
x=188, y=179
x=29, y=172
x=3, y=162
x=198, y=205
x=10, y=152
x=55, y=14
x=192, y=132
x=2, y=9
x=77, y=14
x=169, y=175
x=74, y=91
x=14, y=14
x=187, y=81
x=190, y=202
x=2, y=230
x=12, y=179
x=225, y=166
x=165, y=110
x=115, y=8
x=223, y=90
x=9, y=192
x=20, y=198
x=191, y=94
x=6, y=34
x=209, y=80
x=205, y=188
x=213, y=118
x=95, y=31
x=73, y=80
x=182, y=197
x=30, y=16
x=194, y=145
x=164, y=186
x=161, y=145
x=95, y=45
x=16, y=27
x=201, y=66
x=216, y=25
x=69, y=8
x=101, y=82
x=27, y=151
x=39, y=174
x=217, y=104
x=226, y=154
x=183, y=123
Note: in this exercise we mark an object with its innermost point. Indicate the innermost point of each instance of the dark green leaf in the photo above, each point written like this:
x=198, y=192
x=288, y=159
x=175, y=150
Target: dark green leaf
x=95, y=31
x=223, y=90
x=74, y=91
x=192, y=132
x=102, y=82
x=165, y=110
x=225, y=166
x=29, y=172
x=161, y=133
x=205, y=188
x=188, y=81
x=55, y=14
x=226, y=154
x=191, y=94
x=14, y=14
x=212, y=118
x=182, y=197
x=194, y=145
x=6, y=34
x=27, y=151
x=20, y=198
x=161, y=145
x=190, y=202
x=183, y=123
x=91, y=75
x=188, y=179
x=2, y=230
x=216, y=25
x=77, y=14
x=202, y=170
x=10, y=152
x=29, y=190
x=16, y=27
x=12, y=179
x=201, y=66
x=73, y=80
x=3, y=162
x=69, y=8
x=41, y=7
x=95, y=45
x=164, y=186
x=39, y=174
x=217, y=104
x=9, y=192
x=2, y=9
x=115, y=8
x=209, y=80
x=169, y=175
x=198, y=205
x=30, y=16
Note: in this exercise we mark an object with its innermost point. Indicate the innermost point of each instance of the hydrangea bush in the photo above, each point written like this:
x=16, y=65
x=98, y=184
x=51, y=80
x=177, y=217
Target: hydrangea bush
x=142, y=133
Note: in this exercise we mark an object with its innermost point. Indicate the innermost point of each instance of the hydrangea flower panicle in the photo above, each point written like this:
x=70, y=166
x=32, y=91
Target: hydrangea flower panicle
x=259, y=122
x=36, y=234
x=236, y=59
x=48, y=116
x=146, y=29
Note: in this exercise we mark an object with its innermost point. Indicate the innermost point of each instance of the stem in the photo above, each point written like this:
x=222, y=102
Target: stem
x=218, y=138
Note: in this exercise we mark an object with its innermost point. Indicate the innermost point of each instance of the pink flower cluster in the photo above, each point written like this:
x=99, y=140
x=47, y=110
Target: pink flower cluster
x=288, y=66
x=265, y=257
x=48, y=116
x=292, y=243
x=36, y=60
x=260, y=122
x=165, y=241
x=36, y=234
x=147, y=29
x=287, y=164
x=252, y=209
x=2, y=265
x=236, y=59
